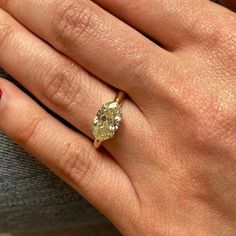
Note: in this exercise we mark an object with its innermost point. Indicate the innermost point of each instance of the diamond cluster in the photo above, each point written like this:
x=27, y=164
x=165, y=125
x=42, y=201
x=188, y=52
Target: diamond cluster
x=107, y=121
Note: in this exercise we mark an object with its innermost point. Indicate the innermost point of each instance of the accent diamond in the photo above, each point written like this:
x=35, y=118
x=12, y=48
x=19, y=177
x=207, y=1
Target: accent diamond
x=107, y=121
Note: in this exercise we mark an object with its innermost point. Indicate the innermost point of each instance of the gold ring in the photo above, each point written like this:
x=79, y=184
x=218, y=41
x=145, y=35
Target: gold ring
x=107, y=120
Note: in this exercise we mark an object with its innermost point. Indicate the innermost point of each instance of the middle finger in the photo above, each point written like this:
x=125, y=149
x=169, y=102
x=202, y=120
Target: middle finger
x=95, y=39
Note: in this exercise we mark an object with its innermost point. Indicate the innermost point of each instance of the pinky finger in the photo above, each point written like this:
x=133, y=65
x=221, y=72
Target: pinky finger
x=69, y=154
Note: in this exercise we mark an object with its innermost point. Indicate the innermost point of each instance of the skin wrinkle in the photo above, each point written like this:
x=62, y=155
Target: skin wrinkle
x=170, y=167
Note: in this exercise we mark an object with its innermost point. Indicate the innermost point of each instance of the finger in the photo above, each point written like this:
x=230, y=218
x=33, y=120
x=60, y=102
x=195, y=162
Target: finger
x=173, y=23
x=94, y=174
x=98, y=41
x=61, y=85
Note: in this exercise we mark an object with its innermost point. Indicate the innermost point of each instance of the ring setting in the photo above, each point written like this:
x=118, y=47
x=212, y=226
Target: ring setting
x=107, y=120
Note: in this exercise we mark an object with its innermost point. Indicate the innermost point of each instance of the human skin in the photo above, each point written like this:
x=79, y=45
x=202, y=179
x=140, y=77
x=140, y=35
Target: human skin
x=171, y=168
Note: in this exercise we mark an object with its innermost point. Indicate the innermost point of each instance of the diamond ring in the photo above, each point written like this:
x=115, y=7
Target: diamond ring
x=107, y=120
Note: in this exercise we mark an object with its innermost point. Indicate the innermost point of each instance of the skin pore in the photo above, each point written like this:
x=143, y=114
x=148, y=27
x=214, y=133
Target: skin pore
x=171, y=168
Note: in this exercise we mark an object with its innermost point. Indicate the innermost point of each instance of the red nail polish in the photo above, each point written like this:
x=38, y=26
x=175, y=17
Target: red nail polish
x=0, y=93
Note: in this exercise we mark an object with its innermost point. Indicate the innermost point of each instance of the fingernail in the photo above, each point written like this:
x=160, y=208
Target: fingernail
x=0, y=93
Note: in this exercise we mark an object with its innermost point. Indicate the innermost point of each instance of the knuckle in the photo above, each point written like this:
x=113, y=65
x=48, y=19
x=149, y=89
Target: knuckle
x=210, y=30
x=62, y=87
x=27, y=130
x=5, y=28
x=217, y=118
x=214, y=33
x=143, y=68
x=76, y=163
x=218, y=35
x=221, y=42
x=72, y=21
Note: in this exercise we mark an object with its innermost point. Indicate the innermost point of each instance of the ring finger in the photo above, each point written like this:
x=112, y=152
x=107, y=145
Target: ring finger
x=70, y=155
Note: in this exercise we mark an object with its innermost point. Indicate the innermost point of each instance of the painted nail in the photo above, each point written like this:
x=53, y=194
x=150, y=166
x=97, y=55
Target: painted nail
x=0, y=93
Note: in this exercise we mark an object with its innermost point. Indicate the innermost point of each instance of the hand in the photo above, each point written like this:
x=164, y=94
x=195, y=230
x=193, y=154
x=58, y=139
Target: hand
x=171, y=168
